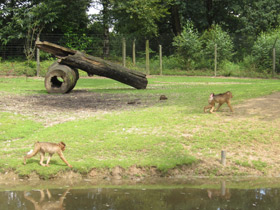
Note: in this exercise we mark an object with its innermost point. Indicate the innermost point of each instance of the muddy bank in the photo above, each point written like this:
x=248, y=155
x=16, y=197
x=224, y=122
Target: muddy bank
x=135, y=174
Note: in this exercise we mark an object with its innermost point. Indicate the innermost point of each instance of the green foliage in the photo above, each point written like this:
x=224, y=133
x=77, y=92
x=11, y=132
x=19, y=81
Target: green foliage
x=140, y=16
x=198, y=51
x=216, y=36
x=23, y=21
x=26, y=21
x=258, y=16
x=77, y=41
x=228, y=69
x=46, y=56
x=262, y=50
x=24, y=68
x=248, y=63
x=188, y=45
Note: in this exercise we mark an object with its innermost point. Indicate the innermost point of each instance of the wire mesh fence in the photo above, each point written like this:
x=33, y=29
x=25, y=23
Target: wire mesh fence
x=162, y=54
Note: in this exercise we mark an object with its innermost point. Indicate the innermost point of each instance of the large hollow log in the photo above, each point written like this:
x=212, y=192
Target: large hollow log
x=94, y=65
x=60, y=78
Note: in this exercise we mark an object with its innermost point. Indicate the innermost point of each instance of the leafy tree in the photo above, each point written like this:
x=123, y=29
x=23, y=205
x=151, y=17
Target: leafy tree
x=254, y=17
x=258, y=16
x=216, y=36
x=139, y=17
x=188, y=44
x=262, y=50
x=106, y=24
x=25, y=20
x=105, y=19
x=35, y=18
x=72, y=16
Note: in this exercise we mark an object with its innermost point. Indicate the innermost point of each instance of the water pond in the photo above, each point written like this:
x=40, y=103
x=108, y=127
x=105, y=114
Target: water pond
x=180, y=194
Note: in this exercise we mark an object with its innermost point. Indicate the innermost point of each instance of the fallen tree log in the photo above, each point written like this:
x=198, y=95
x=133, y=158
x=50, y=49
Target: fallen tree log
x=94, y=65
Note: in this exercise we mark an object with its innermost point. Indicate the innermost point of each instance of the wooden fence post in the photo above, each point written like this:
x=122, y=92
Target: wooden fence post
x=160, y=59
x=274, y=57
x=273, y=61
x=147, y=58
x=38, y=59
x=215, y=60
x=123, y=51
x=133, y=53
x=223, y=157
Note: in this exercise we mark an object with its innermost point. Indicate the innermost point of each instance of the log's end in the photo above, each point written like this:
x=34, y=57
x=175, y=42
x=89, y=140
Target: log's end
x=60, y=78
x=143, y=85
x=54, y=49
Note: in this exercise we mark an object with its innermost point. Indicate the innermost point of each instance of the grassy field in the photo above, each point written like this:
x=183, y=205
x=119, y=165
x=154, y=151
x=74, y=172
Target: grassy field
x=163, y=134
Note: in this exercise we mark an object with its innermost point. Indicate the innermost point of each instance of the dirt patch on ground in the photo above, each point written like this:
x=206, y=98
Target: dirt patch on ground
x=54, y=109
x=266, y=107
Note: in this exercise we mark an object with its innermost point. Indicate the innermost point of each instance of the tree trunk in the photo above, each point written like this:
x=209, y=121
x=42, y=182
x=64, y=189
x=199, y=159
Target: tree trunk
x=209, y=10
x=106, y=23
x=175, y=20
x=94, y=65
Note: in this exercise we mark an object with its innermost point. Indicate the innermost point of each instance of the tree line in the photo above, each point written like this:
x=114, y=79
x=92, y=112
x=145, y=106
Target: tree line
x=243, y=30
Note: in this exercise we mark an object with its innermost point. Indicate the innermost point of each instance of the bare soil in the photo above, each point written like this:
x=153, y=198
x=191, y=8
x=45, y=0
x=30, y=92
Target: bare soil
x=54, y=109
x=81, y=104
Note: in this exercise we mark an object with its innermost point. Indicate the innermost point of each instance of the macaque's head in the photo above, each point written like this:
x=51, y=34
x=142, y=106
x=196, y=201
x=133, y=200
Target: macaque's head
x=229, y=94
x=62, y=145
x=210, y=99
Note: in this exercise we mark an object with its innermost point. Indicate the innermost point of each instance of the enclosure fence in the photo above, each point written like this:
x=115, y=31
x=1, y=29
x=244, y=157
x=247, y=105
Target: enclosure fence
x=154, y=56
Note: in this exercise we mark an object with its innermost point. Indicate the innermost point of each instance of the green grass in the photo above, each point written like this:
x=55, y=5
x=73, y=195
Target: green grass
x=16, y=126
x=155, y=135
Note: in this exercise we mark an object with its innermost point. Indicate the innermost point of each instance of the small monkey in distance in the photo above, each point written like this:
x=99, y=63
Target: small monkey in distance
x=47, y=147
x=219, y=98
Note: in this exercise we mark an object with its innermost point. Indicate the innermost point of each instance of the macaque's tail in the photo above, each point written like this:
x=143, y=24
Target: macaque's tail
x=30, y=152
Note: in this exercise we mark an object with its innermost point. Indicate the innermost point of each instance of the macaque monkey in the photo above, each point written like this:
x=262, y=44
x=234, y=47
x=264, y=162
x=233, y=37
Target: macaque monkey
x=221, y=99
x=47, y=147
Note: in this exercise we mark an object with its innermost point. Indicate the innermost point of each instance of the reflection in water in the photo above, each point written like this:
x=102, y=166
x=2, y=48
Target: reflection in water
x=46, y=204
x=142, y=198
x=223, y=192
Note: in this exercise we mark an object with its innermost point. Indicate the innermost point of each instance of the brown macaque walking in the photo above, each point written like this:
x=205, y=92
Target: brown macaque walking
x=219, y=98
x=47, y=147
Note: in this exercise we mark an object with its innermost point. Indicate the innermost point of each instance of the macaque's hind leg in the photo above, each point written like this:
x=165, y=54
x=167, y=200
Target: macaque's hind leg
x=229, y=105
x=207, y=107
x=42, y=156
x=212, y=109
x=48, y=161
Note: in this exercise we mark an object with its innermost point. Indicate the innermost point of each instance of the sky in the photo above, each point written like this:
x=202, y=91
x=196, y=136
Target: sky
x=94, y=10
